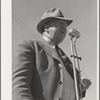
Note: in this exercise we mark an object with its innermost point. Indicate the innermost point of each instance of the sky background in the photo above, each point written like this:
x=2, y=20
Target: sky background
x=27, y=13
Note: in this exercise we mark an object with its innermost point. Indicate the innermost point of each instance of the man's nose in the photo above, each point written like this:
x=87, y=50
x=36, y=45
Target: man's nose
x=63, y=28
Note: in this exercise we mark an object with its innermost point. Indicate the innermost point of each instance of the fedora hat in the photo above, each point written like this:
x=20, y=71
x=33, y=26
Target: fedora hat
x=49, y=15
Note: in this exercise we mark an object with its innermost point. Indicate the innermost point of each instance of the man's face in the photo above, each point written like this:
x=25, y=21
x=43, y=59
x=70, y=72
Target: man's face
x=57, y=31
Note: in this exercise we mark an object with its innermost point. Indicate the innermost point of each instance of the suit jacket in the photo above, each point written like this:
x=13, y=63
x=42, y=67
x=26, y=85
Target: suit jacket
x=36, y=71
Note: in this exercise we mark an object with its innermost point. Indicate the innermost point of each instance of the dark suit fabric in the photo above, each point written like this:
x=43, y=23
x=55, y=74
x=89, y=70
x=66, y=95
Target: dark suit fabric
x=36, y=71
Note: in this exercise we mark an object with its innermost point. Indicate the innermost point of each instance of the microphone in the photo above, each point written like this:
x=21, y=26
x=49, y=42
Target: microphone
x=74, y=33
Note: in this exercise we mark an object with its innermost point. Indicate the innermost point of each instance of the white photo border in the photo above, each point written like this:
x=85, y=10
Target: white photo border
x=6, y=50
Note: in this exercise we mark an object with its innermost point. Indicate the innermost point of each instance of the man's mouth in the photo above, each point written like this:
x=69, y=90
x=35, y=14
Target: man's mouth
x=62, y=32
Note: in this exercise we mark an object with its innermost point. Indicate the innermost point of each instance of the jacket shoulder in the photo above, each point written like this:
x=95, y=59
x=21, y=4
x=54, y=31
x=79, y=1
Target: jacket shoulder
x=31, y=43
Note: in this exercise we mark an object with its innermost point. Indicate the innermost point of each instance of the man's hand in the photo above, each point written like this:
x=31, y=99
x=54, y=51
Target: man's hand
x=85, y=84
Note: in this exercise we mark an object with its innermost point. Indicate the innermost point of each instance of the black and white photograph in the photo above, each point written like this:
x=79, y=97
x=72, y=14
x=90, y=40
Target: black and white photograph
x=54, y=50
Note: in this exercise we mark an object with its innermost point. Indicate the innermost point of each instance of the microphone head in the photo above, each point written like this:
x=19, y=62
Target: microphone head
x=74, y=33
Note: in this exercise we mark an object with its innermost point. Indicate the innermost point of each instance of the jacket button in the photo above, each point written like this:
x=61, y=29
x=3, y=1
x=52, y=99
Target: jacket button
x=60, y=68
x=60, y=82
x=60, y=99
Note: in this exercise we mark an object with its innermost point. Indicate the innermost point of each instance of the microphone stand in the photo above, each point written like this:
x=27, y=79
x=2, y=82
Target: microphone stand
x=75, y=55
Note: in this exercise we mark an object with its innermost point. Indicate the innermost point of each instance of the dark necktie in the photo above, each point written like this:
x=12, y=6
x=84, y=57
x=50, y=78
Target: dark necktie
x=57, y=49
x=66, y=62
x=59, y=53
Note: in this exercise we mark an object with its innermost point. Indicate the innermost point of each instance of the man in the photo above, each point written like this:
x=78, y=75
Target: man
x=42, y=71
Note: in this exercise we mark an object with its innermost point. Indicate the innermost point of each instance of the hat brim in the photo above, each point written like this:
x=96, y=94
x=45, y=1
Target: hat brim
x=40, y=26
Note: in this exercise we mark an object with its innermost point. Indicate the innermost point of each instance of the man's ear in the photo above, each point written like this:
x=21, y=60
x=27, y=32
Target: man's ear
x=46, y=27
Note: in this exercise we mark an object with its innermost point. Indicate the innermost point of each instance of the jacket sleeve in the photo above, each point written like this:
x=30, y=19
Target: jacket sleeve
x=22, y=71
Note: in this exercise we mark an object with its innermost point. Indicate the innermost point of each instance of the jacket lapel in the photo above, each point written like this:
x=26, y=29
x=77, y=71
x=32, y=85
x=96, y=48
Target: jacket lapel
x=53, y=53
x=48, y=49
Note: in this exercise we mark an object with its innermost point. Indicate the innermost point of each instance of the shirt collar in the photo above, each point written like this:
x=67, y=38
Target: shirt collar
x=49, y=41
